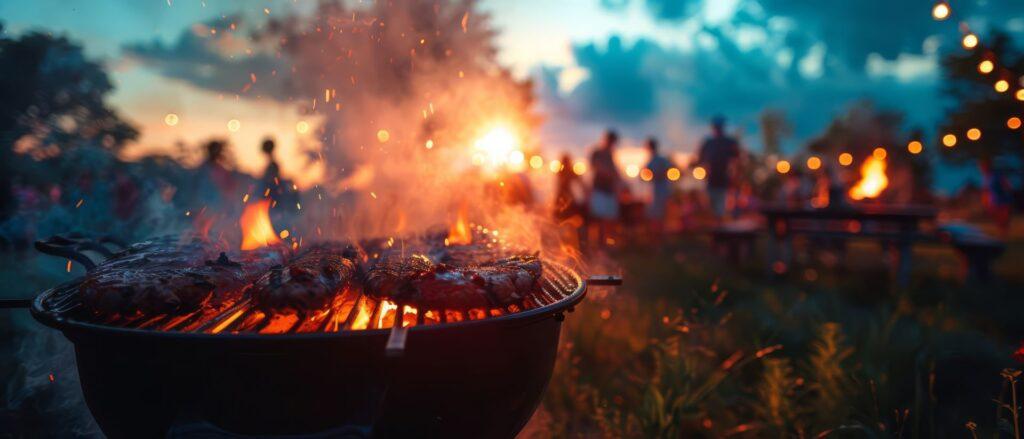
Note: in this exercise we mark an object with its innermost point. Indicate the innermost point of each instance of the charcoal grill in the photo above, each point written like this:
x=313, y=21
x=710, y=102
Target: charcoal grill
x=234, y=370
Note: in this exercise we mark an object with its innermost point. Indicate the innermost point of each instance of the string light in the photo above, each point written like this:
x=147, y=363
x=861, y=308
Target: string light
x=646, y=174
x=673, y=174
x=940, y=11
x=536, y=162
x=579, y=168
x=813, y=163
x=632, y=171
x=171, y=119
x=973, y=134
x=879, y=153
x=383, y=136
x=555, y=166
x=782, y=166
x=1020, y=95
x=302, y=127
x=234, y=125
x=699, y=173
x=1013, y=123
x=970, y=41
x=986, y=67
x=1002, y=86
x=845, y=159
x=915, y=147
x=949, y=140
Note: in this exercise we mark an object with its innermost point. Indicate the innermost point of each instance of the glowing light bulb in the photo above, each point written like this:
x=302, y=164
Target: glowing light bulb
x=970, y=41
x=845, y=159
x=986, y=67
x=782, y=166
x=973, y=134
x=915, y=147
x=673, y=174
x=940, y=11
x=1013, y=123
x=1002, y=86
x=699, y=173
x=949, y=140
x=813, y=163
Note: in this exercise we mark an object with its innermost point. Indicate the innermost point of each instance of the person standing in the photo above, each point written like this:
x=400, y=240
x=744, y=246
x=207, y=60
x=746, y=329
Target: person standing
x=660, y=188
x=718, y=156
x=604, y=201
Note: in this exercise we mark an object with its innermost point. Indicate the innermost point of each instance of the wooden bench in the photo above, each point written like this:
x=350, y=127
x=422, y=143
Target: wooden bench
x=977, y=248
x=735, y=240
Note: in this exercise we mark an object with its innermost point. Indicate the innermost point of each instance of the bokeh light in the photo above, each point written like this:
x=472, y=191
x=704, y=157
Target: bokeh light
x=782, y=166
x=302, y=127
x=234, y=125
x=536, y=162
x=949, y=140
x=1013, y=123
x=555, y=166
x=699, y=173
x=383, y=136
x=813, y=163
x=845, y=159
x=986, y=67
x=579, y=168
x=1002, y=86
x=879, y=153
x=171, y=119
x=646, y=174
x=632, y=171
x=915, y=147
x=973, y=134
x=970, y=41
x=673, y=174
x=940, y=11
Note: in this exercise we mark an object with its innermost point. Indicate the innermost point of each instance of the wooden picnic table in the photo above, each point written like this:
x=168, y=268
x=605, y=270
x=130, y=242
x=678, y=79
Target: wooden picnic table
x=899, y=226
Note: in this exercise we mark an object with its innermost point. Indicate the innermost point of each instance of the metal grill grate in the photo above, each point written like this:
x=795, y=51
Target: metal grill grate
x=350, y=311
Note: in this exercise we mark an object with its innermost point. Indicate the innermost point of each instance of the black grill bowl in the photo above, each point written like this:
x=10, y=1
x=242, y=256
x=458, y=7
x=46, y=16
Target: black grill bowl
x=480, y=378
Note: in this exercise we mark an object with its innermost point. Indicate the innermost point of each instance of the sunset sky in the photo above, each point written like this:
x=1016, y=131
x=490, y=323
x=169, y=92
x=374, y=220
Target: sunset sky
x=647, y=67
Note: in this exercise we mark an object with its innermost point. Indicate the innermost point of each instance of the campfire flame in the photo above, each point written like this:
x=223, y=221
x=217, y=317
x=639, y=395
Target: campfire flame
x=257, y=230
x=872, y=181
x=458, y=232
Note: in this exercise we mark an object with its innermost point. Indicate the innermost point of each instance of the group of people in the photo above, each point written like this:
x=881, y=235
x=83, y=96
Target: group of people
x=598, y=208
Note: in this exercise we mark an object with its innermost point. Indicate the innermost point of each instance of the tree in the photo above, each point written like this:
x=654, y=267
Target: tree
x=51, y=99
x=977, y=104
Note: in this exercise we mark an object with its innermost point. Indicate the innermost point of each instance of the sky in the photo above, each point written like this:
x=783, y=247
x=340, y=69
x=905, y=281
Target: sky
x=645, y=67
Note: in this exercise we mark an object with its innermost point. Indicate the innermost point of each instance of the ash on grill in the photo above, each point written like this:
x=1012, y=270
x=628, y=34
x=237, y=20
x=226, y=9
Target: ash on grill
x=329, y=287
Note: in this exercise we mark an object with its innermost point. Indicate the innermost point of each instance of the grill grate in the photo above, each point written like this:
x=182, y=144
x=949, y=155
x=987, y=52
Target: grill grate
x=351, y=310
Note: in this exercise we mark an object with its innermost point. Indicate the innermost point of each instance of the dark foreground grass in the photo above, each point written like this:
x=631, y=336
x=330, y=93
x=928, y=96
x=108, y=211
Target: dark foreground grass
x=692, y=346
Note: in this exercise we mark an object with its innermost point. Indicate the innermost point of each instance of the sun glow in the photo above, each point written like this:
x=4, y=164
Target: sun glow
x=498, y=146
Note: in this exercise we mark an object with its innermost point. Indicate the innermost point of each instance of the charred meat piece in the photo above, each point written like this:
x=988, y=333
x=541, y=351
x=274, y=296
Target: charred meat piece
x=308, y=282
x=391, y=276
x=493, y=283
x=161, y=276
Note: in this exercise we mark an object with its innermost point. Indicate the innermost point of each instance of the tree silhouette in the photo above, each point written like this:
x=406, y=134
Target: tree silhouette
x=978, y=105
x=51, y=99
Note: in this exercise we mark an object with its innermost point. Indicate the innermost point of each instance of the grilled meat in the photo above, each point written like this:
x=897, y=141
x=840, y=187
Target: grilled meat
x=391, y=276
x=162, y=276
x=308, y=282
x=458, y=285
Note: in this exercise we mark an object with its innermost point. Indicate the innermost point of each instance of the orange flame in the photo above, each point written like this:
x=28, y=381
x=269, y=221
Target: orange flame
x=257, y=230
x=458, y=233
x=872, y=181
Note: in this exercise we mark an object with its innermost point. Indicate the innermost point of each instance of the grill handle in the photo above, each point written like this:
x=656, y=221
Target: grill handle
x=15, y=303
x=604, y=280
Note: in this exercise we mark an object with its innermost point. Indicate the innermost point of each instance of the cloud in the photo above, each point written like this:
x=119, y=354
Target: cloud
x=215, y=56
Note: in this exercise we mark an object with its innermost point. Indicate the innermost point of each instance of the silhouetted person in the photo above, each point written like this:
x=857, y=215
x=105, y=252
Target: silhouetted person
x=272, y=174
x=660, y=187
x=569, y=191
x=718, y=155
x=214, y=170
x=604, y=202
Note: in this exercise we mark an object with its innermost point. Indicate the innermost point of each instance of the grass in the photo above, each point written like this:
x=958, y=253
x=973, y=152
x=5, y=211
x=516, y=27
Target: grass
x=693, y=347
